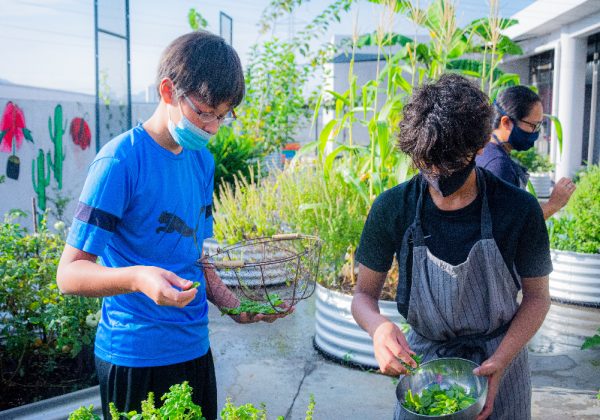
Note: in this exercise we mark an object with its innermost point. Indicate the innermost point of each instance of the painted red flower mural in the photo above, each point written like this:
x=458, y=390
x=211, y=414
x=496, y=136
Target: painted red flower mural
x=12, y=133
x=80, y=133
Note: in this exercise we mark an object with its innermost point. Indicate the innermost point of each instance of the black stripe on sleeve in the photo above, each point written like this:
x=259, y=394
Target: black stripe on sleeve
x=96, y=217
x=208, y=211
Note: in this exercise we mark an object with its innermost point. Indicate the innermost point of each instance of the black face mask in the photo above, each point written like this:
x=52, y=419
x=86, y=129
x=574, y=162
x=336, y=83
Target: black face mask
x=448, y=185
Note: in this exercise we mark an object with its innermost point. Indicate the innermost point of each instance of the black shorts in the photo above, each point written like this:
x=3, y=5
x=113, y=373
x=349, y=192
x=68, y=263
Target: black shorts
x=127, y=387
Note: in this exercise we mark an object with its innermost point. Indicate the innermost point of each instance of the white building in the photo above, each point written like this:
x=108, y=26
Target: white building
x=561, y=44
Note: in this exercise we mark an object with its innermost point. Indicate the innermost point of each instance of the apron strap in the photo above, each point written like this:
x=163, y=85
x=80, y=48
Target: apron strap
x=486, y=216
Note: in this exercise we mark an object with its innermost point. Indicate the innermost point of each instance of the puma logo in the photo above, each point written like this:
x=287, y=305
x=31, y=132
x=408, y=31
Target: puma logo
x=172, y=223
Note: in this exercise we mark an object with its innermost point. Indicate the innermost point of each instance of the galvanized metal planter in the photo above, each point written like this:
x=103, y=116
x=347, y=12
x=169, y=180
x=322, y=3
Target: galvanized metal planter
x=565, y=328
x=339, y=337
x=273, y=275
x=542, y=184
x=576, y=278
x=57, y=408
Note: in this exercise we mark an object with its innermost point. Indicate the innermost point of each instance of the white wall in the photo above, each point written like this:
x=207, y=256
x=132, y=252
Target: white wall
x=38, y=105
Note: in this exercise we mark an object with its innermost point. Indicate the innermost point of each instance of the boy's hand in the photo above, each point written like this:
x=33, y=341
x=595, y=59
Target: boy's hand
x=157, y=284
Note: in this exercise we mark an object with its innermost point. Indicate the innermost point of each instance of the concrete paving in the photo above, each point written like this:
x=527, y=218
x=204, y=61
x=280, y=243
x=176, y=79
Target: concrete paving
x=277, y=364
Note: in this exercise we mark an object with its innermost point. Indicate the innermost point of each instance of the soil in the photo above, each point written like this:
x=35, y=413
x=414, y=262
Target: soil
x=346, y=283
x=40, y=381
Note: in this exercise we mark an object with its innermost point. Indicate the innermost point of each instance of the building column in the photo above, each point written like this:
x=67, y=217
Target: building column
x=571, y=96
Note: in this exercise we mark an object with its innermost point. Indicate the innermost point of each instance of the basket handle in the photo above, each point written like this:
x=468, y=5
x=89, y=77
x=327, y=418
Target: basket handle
x=282, y=236
x=228, y=264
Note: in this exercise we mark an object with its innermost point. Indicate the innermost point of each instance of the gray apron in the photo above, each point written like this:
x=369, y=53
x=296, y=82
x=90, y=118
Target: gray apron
x=465, y=310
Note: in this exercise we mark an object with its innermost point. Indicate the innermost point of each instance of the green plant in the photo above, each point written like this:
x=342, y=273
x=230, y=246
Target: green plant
x=417, y=358
x=196, y=20
x=178, y=405
x=243, y=412
x=56, y=134
x=436, y=401
x=591, y=342
x=578, y=229
x=84, y=413
x=323, y=206
x=275, y=102
x=246, y=209
x=233, y=154
x=532, y=160
x=36, y=320
x=254, y=307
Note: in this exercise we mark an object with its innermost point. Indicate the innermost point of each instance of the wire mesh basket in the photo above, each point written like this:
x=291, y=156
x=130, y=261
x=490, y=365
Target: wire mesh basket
x=266, y=275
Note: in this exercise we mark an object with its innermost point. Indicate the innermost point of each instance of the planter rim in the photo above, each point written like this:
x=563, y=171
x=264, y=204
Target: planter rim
x=58, y=407
x=347, y=295
x=575, y=253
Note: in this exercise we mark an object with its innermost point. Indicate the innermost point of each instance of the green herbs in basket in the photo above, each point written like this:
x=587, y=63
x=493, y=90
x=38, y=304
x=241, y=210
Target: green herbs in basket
x=254, y=307
x=436, y=401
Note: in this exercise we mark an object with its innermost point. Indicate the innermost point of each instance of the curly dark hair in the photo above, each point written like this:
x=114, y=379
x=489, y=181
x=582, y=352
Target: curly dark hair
x=444, y=124
x=203, y=64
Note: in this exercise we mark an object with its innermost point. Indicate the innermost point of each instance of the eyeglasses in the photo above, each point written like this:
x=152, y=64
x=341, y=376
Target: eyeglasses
x=208, y=117
x=535, y=126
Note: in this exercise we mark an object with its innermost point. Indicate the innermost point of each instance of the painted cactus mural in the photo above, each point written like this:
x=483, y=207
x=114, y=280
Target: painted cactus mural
x=80, y=132
x=12, y=133
x=43, y=178
x=56, y=134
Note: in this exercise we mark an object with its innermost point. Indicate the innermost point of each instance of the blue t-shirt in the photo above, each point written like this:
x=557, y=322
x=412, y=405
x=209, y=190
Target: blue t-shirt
x=143, y=205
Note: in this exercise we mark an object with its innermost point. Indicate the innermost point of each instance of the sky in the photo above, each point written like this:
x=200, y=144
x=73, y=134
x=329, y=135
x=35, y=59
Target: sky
x=50, y=43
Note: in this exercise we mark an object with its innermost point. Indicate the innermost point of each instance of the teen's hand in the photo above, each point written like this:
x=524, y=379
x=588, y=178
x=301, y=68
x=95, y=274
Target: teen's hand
x=157, y=284
x=391, y=348
x=494, y=370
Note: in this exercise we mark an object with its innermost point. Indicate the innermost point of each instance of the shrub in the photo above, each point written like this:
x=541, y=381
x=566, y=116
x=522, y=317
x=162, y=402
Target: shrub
x=533, y=161
x=578, y=229
x=36, y=321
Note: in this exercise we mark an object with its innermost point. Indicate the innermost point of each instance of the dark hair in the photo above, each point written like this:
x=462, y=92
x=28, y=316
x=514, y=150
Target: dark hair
x=204, y=65
x=515, y=102
x=445, y=123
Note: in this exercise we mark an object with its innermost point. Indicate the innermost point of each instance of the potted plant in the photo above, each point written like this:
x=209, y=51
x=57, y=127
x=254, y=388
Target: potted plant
x=575, y=243
x=539, y=168
x=46, y=339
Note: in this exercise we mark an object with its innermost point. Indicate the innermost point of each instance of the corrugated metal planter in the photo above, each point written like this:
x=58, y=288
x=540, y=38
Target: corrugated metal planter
x=542, y=184
x=565, y=328
x=273, y=274
x=339, y=337
x=576, y=278
x=57, y=408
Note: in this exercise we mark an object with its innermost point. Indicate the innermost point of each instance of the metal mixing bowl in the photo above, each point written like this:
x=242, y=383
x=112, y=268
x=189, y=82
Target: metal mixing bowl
x=445, y=372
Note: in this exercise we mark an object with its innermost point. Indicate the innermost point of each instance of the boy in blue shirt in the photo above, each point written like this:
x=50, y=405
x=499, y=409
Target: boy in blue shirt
x=143, y=214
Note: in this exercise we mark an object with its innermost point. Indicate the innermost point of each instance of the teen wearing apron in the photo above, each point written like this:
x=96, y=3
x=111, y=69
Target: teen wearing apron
x=465, y=310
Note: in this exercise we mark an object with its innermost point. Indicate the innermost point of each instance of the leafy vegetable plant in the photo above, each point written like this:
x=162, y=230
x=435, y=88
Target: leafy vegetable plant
x=254, y=307
x=417, y=358
x=436, y=401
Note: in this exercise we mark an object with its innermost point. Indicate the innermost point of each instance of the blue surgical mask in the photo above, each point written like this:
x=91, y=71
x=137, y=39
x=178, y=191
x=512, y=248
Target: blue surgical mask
x=187, y=135
x=520, y=139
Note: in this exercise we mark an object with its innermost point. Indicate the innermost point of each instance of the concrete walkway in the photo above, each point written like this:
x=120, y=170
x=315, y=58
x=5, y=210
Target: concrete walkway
x=277, y=364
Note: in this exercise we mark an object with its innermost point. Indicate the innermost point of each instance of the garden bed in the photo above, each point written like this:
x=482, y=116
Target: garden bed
x=38, y=380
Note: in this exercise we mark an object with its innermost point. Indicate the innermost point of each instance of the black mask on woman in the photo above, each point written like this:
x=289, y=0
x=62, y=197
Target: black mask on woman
x=520, y=139
x=448, y=185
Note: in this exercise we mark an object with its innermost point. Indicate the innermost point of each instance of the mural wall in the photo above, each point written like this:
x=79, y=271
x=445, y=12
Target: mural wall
x=45, y=149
